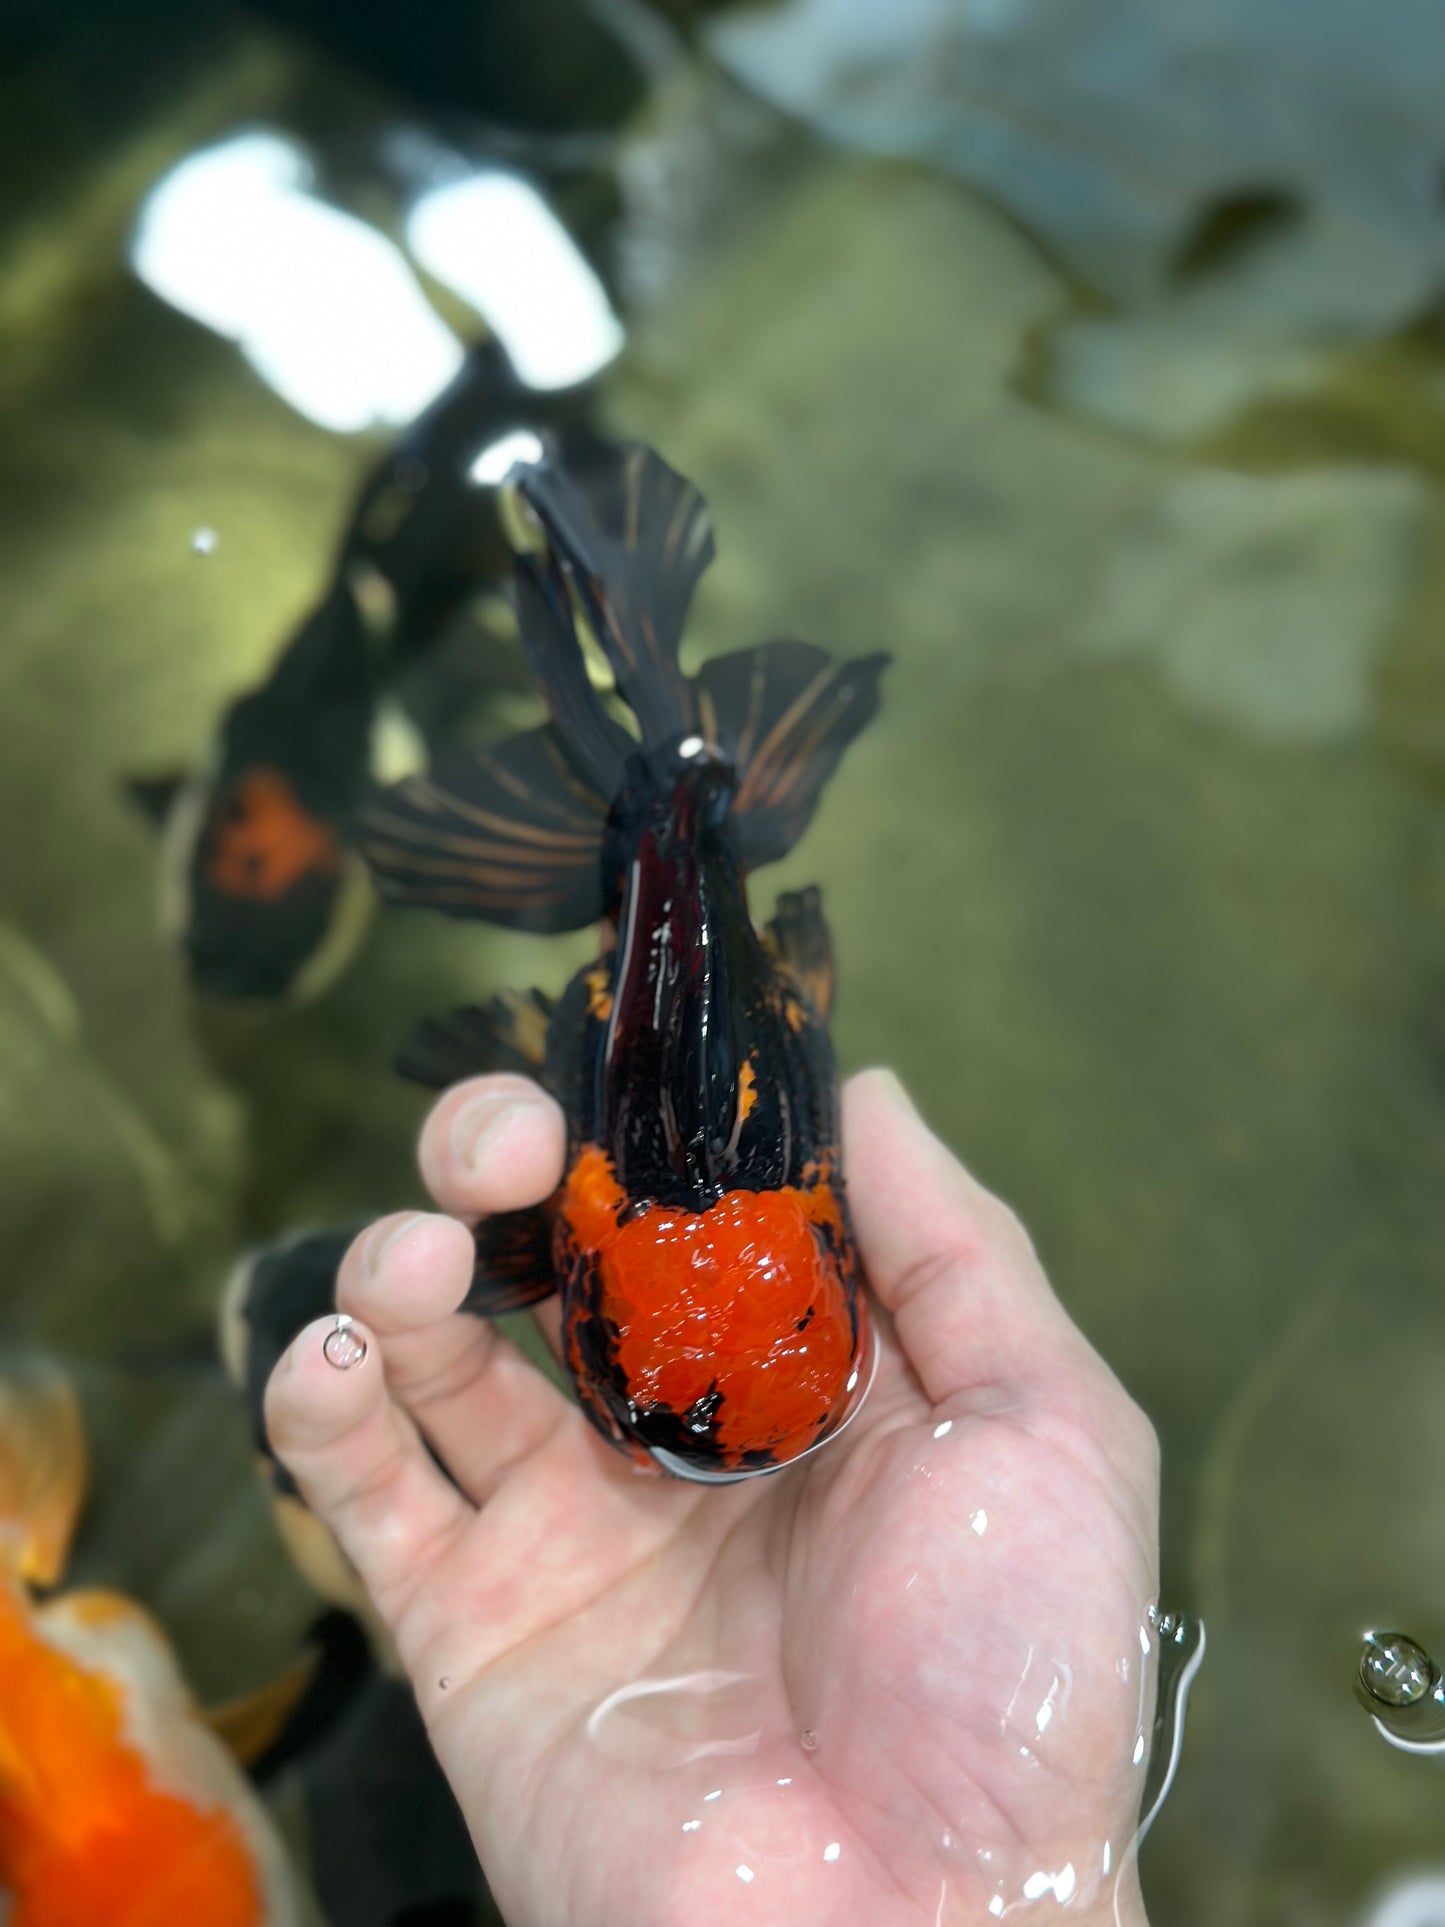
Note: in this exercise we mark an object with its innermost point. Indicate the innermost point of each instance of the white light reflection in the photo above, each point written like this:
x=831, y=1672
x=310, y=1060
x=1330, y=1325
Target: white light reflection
x=497, y=460
x=995, y=1906
x=942, y=1431
x=1419, y=1902
x=324, y=307
x=979, y=1521
x=691, y=1826
x=832, y=1850
x=1060, y=1884
x=745, y=1874
x=494, y=241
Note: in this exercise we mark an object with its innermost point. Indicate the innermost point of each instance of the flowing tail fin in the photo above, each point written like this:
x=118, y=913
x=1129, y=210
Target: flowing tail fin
x=633, y=538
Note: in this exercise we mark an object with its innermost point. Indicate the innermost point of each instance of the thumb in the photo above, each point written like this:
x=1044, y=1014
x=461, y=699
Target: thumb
x=946, y=1258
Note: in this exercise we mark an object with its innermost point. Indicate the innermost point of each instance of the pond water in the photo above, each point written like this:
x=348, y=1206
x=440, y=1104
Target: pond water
x=1138, y=882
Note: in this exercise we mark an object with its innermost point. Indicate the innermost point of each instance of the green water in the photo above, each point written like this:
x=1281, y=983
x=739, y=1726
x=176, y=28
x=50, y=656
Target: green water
x=1139, y=882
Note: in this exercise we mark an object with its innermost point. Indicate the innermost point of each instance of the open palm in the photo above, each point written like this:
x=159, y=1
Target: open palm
x=900, y=1683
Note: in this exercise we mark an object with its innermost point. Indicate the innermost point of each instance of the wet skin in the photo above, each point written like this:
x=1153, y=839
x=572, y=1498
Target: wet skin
x=911, y=1597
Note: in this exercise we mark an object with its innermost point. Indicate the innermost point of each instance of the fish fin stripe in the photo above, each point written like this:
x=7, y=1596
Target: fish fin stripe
x=785, y=712
x=511, y=834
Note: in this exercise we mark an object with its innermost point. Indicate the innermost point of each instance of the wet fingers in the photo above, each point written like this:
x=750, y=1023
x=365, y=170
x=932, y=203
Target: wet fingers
x=360, y=1462
x=481, y=1405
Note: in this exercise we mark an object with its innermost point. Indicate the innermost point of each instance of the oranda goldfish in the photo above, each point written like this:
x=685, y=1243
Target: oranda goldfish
x=261, y=885
x=119, y=1805
x=714, y=1319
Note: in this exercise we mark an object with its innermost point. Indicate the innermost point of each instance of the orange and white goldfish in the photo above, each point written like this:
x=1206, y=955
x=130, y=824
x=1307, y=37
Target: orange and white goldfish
x=119, y=1804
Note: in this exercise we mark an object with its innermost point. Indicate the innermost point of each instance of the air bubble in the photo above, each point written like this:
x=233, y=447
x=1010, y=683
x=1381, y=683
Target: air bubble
x=808, y=1740
x=204, y=541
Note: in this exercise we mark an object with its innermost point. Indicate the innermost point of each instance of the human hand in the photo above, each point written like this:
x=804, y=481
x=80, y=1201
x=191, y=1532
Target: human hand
x=898, y=1685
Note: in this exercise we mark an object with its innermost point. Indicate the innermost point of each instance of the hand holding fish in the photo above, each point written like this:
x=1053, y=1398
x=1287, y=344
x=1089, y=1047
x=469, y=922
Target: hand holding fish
x=899, y=1683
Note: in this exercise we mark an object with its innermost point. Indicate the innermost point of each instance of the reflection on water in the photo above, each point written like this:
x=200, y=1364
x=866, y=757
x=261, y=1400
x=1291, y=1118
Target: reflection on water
x=1140, y=881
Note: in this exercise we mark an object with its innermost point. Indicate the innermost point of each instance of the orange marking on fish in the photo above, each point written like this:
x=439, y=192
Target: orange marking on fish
x=747, y=1091
x=742, y=1299
x=85, y=1836
x=265, y=841
x=599, y=995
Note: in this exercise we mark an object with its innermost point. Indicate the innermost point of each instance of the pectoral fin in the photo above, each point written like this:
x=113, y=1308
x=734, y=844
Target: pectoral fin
x=507, y=1034
x=514, y=1262
x=250, y=1725
x=785, y=712
x=510, y=834
x=154, y=795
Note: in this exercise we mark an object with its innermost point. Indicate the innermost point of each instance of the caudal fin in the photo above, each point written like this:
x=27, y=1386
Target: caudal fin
x=633, y=538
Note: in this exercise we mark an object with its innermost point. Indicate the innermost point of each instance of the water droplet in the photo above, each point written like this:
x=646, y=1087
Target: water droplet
x=344, y=1346
x=1180, y=1657
x=808, y=1740
x=204, y=541
x=1394, y=1670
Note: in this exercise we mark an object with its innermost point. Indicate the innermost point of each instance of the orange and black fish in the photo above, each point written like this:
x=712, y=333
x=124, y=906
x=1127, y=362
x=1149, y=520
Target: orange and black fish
x=118, y=1799
x=262, y=887
x=714, y=1319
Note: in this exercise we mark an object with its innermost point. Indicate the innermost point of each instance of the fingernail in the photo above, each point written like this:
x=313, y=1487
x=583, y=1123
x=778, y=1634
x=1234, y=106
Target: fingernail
x=377, y=1248
x=478, y=1128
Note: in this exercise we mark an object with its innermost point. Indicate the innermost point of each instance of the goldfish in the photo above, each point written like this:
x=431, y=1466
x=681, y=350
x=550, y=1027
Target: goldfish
x=119, y=1803
x=714, y=1320
x=262, y=888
